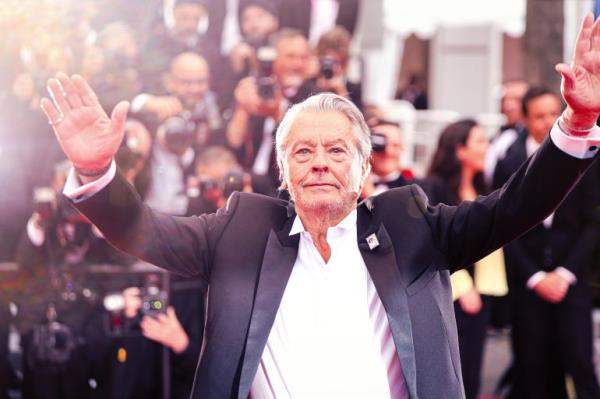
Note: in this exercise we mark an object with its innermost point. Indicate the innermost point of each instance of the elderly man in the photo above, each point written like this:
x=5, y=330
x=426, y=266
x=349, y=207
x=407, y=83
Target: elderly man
x=319, y=297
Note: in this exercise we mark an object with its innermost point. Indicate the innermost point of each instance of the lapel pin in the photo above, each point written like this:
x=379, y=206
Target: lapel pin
x=372, y=241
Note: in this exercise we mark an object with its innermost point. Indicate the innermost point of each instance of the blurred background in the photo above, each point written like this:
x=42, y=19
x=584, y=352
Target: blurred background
x=457, y=95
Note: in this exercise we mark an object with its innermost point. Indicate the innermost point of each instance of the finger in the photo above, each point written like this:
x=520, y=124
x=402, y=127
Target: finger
x=582, y=43
x=51, y=112
x=119, y=116
x=170, y=311
x=70, y=90
x=567, y=74
x=58, y=96
x=88, y=96
x=595, y=35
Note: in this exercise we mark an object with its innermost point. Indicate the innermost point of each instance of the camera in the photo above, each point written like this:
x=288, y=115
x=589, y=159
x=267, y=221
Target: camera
x=52, y=207
x=53, y=344
x=232, y=181
x=154, y=301
x=327, y=67
x=265, y=57
x=378, y=142
x=44, y=202
x=178, y=131
x=183, y=130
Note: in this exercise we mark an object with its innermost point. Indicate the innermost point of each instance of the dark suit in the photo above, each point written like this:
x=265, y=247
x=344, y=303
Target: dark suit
x=472, y=328
x=246, y=254
x=552, y=339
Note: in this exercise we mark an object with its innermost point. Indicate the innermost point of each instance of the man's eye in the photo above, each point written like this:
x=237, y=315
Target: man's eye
x=303, y=151
x=337, y=150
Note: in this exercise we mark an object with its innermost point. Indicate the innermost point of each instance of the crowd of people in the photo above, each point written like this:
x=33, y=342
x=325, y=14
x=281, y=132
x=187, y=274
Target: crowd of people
x=207, y=93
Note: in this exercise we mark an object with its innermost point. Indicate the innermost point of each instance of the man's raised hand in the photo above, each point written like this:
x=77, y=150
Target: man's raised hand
x=581, y=79
x=86, y=134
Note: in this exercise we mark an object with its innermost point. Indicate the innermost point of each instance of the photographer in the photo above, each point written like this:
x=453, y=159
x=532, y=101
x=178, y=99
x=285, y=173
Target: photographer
x=258, y=20
x=184, y=30
x=57, y=300
x=217, y=175
x=333, y=50
x=386, y=171
x=262, y=100
x=186, y=93
x=157, y=319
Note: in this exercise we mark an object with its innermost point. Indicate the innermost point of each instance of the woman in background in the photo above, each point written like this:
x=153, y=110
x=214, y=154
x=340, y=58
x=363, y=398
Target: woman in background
x=455, y=175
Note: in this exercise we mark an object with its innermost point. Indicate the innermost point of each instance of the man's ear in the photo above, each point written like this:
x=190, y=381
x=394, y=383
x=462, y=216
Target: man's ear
x=366, y=170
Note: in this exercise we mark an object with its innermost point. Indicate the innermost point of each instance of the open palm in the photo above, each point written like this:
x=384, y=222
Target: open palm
x=86, y=134
x=581, y=79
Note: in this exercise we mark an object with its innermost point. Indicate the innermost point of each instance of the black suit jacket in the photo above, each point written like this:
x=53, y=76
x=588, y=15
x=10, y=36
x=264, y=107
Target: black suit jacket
x=246, y=255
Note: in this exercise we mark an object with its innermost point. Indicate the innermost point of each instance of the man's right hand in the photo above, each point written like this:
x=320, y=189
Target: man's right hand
x=163, y=107
x=86, y=134
x=247, y=97
x=552, y=288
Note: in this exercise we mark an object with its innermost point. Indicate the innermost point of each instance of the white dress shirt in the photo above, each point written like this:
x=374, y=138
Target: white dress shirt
x=331, y=337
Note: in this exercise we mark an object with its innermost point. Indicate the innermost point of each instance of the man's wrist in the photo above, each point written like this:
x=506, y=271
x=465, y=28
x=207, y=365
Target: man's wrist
x=576, y=123
x=180, y=343
x=92, y=172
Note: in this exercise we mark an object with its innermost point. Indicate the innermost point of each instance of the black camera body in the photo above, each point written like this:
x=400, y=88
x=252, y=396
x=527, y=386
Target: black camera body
x=183, y=130
x=232, y=181
x=266, y=84
x=53, y=344
x=378, y=142
x=178, y=131
x=154, y=301
x=327, y=67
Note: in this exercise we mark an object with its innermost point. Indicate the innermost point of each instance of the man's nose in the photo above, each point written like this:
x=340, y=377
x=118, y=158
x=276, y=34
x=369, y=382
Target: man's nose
x=319, y=163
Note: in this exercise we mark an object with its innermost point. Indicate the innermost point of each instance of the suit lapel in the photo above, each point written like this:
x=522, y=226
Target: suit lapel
x=381, y=265
x=279, y=258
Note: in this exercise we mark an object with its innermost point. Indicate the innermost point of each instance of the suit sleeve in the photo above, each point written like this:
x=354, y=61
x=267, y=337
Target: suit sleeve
x=580, y=255
x=471, y=230
x=179, y=244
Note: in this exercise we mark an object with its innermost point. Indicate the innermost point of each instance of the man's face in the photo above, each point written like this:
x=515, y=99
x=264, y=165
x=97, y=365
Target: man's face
x=323, y=164
x=542, y=112
x=186, y=18
x=189, y=82
x=290, y=66
x=511, y=101
x=257, y=23
x=388, y=161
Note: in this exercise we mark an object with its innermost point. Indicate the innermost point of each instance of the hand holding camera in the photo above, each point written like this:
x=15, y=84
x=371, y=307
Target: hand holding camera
x=259, y=97
x=163, y=107
x=166, y=329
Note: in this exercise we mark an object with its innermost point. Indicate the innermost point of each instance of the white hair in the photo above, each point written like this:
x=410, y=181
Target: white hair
x=327, y=102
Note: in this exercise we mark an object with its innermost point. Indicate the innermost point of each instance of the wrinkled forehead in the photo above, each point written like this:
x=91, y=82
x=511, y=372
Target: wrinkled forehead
x=321, y=127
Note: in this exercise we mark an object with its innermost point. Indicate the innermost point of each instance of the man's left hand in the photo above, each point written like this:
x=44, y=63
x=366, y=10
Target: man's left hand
x=581, y=79
x=166, y=330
